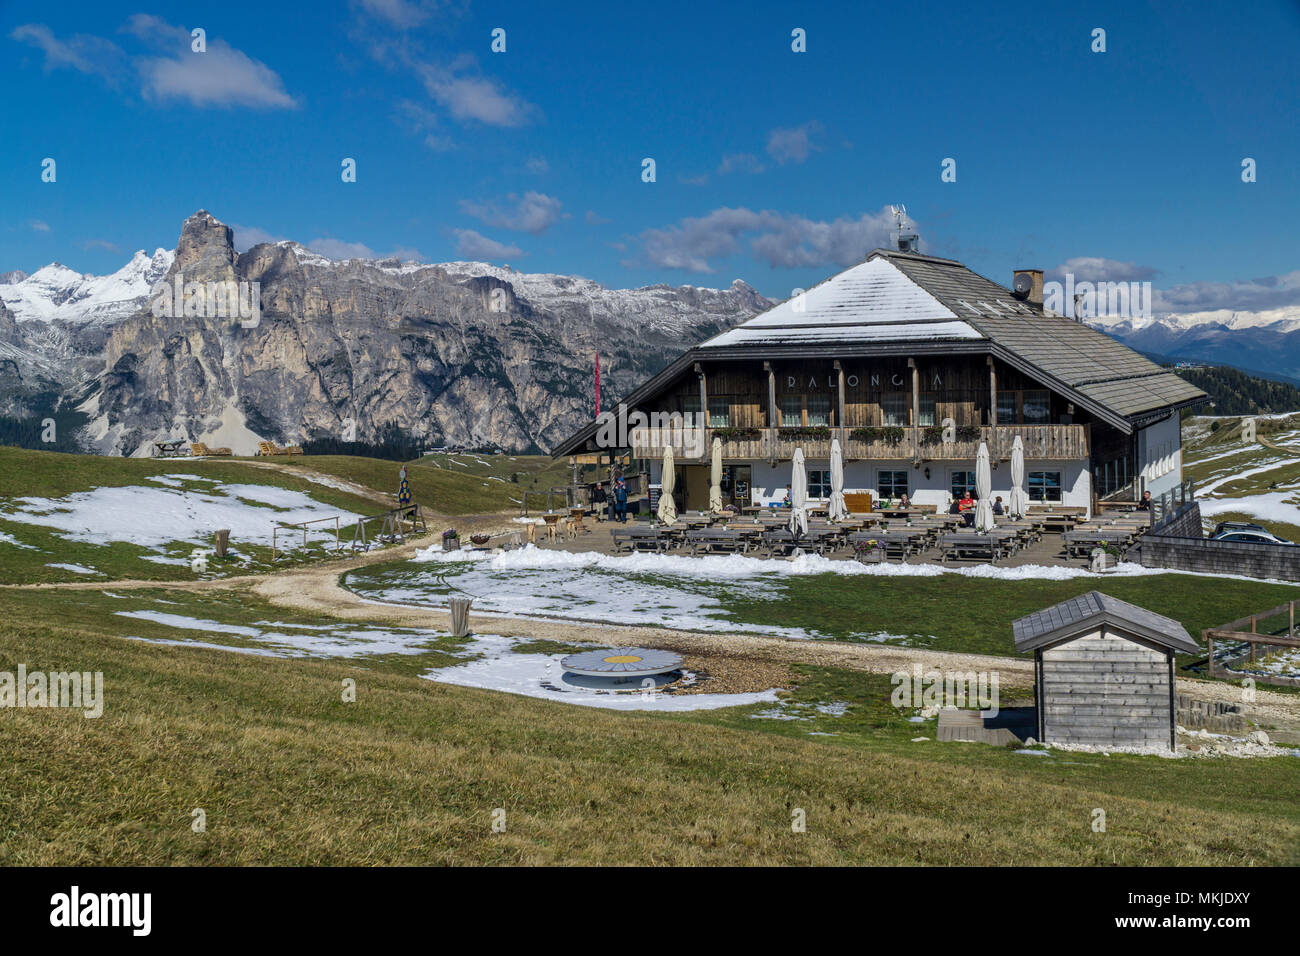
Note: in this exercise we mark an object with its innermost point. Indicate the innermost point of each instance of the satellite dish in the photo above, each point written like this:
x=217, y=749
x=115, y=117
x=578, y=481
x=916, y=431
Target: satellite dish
x=1023, y=285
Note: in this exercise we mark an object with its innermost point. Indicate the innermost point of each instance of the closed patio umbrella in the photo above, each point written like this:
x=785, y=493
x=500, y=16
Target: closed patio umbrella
x=837, y=510
x=984, y=489
x=715, y=478
x=1019, y=503
x=798, y=495
x=667, y=507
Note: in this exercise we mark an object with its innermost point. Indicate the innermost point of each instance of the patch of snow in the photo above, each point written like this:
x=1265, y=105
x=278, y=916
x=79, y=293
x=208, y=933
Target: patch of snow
x=75, y=568
x=540, y=675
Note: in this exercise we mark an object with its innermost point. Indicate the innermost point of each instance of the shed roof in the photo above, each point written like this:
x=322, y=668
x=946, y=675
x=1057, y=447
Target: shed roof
x=1084, y=613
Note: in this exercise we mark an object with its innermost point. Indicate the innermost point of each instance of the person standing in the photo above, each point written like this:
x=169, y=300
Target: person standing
x=620, y=499
x=599, y=502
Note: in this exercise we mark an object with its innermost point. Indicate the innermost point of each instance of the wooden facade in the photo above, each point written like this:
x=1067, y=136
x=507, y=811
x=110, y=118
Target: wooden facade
x=1106, y=689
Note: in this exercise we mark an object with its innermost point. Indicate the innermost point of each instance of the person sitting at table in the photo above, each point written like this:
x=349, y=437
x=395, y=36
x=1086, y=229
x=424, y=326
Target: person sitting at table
x=998, y=509
x=786, y=502
x=904, y=502
x=967, y=509
x=955, y=507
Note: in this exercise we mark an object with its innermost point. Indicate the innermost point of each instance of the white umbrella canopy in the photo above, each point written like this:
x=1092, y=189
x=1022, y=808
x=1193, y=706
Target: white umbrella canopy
x=715, y=478
x=983, y=489
x=1019, y=503
x=798, y=494
x=667, y=507
x=837, y=510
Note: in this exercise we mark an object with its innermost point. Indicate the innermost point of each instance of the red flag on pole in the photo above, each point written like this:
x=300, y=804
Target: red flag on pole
x=597, y=384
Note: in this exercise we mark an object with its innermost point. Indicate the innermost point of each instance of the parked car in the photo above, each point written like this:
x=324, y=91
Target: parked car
x=1242, y=531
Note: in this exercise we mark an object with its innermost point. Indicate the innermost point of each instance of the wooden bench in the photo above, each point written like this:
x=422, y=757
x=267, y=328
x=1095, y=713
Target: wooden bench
x=271, y=448
x=637, y=539
x=200, y=450
x=716, y=539
x=977, y=547
x=1079, y=543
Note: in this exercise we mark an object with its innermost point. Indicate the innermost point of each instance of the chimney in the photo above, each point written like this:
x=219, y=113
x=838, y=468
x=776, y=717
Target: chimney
x=1027, y=286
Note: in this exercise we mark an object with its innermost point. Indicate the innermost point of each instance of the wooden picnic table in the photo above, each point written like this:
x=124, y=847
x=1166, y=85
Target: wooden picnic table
x=636, y=538
x=169, y=449
x=967, y=544
x=716, y=539
x=903, y=543
x=1083, y=541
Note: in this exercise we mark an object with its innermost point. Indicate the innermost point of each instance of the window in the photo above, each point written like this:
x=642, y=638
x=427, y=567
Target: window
x=1044, y=486
x=691, y=409
x=791, y=411
x=819, y=484
x=893, y=407
x=891, y=484
x=1007, y=408
x=819, y=410
x=719, y=411
x=1038, y=407
x=962, y=482
x=927, y=411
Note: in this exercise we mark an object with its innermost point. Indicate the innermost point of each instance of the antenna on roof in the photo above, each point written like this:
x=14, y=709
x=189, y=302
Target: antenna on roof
x=908, y=240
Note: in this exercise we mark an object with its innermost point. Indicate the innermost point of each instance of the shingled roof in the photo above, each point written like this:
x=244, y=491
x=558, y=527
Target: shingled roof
x=906, y=303
x=1084, y=613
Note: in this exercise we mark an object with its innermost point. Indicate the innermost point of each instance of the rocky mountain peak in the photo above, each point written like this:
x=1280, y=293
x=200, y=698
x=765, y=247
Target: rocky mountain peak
x=206, y=250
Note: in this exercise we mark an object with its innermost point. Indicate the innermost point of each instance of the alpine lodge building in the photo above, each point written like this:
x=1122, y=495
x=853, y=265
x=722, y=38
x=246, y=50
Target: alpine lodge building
x=911, y=361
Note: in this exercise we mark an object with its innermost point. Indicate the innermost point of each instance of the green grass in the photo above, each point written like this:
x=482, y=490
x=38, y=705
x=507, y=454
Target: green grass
x=975, y=614
x=451, y=484
x=411, y=772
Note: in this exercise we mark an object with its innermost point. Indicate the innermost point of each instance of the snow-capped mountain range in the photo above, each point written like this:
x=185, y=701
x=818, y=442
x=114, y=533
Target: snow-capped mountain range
x=466, y=353
x=59, y=293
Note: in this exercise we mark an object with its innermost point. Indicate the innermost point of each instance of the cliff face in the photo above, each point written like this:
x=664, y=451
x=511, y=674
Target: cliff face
x=460, y=353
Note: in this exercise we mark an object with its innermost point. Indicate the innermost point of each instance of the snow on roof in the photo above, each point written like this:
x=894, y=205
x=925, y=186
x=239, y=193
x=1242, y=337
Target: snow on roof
x=872, y=301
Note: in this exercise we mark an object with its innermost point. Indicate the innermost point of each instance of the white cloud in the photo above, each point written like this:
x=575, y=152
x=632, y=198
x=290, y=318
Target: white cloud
x=476, y=98
x=1099, y=269
x=248, y=236
x=740, y=163
x=595, y=219
x=780, y=239
x=793, y=145
x=39, y=225
x=539, y=165
x=473, y=245
x=1240, y=295
x=397, y=13
x=81, y=52
x=533, y=212
x=222, y=76
x=100, y=244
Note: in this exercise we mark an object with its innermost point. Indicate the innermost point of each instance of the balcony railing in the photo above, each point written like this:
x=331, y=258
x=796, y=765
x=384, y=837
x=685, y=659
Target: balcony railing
x=1059, y=442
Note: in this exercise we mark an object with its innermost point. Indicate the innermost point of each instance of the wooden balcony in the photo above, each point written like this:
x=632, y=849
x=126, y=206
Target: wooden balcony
x=1057, y=442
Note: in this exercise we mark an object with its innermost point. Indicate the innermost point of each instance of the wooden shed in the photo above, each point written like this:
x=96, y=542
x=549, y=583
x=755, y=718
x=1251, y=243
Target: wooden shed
x=1104, y=672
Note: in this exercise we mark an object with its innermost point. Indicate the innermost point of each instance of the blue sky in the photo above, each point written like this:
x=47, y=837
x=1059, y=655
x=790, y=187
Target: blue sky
x=772, y=166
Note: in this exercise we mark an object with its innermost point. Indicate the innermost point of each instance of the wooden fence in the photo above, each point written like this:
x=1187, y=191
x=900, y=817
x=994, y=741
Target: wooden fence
x=1275, y=635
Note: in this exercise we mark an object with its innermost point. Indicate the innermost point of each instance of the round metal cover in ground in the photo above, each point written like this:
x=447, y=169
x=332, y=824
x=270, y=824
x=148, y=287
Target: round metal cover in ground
x=621, y=662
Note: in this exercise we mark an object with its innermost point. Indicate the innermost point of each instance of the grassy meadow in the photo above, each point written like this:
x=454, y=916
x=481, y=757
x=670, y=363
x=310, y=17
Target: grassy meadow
x=286, y=772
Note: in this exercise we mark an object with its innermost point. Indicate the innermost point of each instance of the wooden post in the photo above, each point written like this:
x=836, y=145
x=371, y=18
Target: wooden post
x=1290, y=628
x=916, y=410
x=993, y=393
x=839, y=411
x=773, y=422
x=1252, y=643
x=704, y=395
